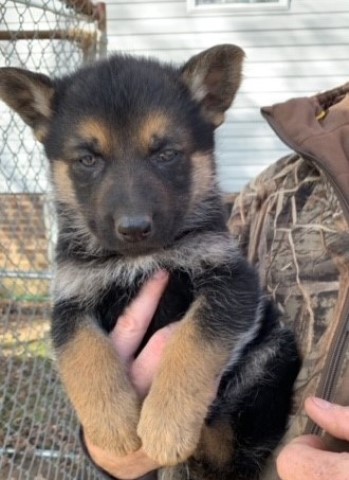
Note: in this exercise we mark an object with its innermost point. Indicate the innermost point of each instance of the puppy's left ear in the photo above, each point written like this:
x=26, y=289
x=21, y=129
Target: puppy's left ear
x=30, y=95
x=214, y=77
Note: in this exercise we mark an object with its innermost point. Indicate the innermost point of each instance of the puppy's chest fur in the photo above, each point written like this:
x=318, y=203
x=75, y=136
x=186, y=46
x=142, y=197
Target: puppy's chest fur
x=104, y=287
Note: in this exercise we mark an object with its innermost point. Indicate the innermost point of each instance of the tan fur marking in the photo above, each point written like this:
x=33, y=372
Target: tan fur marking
x=217, y=119
x=203, y=175
x=62, y=182
x=42, y=99
x=99, y=388
x=40, y=133
x=92, y=129
x=156, y=124
x=216, y=444
x=173, y=413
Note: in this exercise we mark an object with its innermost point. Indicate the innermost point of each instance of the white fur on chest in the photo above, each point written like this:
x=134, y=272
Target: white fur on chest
x=85, y=281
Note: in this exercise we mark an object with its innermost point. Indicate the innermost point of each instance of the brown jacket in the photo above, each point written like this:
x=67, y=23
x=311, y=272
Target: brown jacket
x=292, y=222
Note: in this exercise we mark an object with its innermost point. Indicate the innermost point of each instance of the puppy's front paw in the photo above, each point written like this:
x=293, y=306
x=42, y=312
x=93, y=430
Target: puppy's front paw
x=174, y=411
x=117, y=437
x=99, y=388
x=169, y=434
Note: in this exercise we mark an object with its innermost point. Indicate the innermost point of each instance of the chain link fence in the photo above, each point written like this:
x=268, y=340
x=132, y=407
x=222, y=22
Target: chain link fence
x=38, y=430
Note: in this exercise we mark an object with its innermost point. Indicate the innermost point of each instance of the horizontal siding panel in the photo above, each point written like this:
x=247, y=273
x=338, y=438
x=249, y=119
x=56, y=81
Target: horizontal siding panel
x=243, y=130
x=253, y=100
x=300, y=69
x=233, y=185
x=235, y=145
x=121, y=9
x=249, y=158
x=286, y=25
x=241, y=173
x=148, y=10
x=252, y=69
x=234, y=178
x=304, y=52
x=298, y=7
x=190, y=44
x=291, y=84
x=147, y=45
x=242, y=115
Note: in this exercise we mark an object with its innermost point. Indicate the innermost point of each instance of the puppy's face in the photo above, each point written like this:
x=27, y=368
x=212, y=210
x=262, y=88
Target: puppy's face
x=121, y=149
x=130, y=141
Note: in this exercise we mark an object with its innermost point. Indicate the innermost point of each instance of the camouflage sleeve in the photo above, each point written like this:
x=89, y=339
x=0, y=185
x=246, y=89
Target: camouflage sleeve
x=290, y=224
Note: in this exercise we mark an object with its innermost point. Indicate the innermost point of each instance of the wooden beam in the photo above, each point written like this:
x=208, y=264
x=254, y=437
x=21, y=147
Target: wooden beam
x=79, y=36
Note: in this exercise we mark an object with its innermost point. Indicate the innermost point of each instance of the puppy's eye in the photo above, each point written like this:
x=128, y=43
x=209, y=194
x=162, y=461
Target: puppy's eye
x=88, y=160
x=168, y=155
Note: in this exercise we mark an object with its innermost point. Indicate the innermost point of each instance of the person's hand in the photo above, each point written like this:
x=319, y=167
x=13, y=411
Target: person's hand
x=306, y=457
x=126, y=337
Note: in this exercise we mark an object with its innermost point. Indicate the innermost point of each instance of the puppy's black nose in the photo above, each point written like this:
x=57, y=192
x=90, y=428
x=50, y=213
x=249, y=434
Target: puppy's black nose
x=134, y=228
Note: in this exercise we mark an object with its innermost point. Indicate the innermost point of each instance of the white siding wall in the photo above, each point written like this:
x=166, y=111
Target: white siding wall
x=289, y=53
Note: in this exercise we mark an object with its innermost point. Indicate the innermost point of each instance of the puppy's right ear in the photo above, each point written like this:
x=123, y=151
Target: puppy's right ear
x=30, y=95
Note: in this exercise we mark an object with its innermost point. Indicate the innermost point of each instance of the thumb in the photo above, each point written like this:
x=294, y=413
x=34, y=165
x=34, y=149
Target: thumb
x=132, y=325
x=333, y=418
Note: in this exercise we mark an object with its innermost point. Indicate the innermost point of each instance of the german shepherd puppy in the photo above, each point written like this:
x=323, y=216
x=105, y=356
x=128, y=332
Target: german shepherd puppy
x=131, y=149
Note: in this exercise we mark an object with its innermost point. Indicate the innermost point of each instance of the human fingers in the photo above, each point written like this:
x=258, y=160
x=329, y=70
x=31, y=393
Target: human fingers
x=333, y=418
x=132, y=325
x=310, y=441
x=146, y=365
x=133, y=465
x=306, y=459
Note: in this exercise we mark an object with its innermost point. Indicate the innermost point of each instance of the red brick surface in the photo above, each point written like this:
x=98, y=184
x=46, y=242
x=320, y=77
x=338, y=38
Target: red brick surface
x=23, y=237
